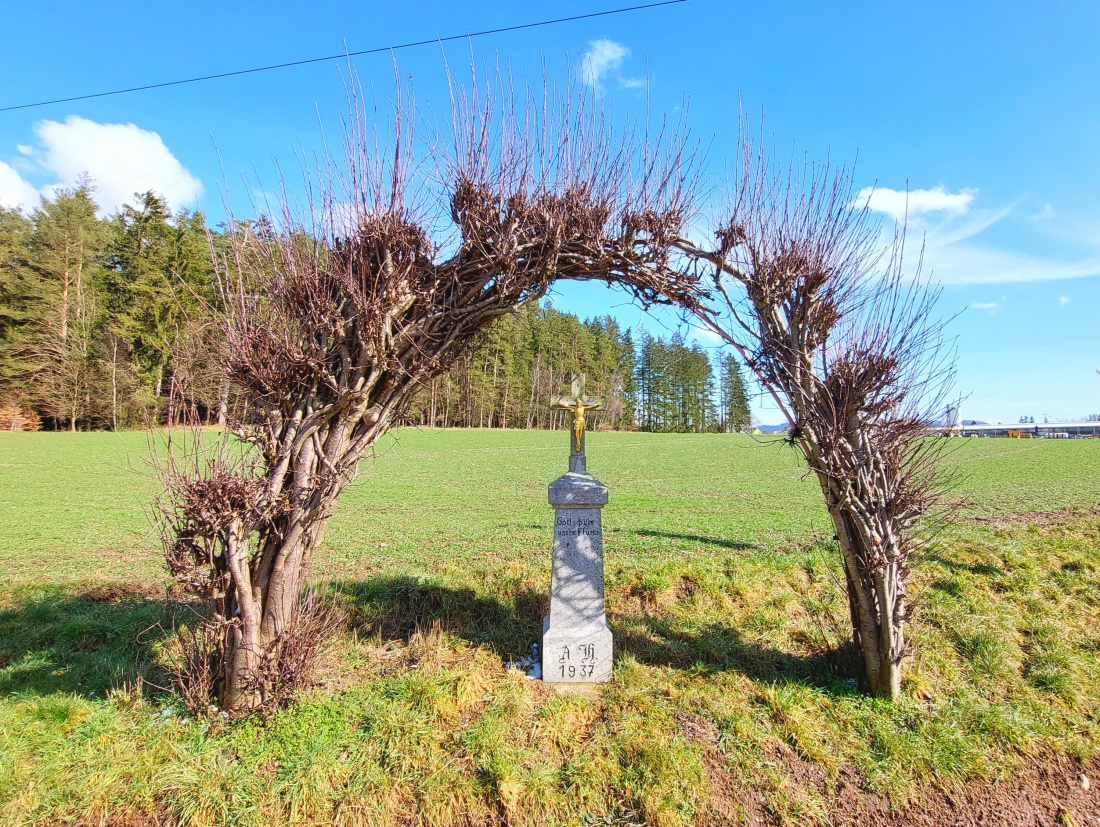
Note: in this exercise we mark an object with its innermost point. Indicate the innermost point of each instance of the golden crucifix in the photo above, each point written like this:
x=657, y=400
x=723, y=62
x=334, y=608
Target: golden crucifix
x=578, y=403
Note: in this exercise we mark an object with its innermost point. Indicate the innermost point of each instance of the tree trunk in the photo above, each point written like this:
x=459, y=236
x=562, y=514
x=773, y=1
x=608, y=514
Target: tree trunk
x=114, y=385
x=243, y=644
x=267, y=586
x=531, y=408
x=493, y=416
x=223, y=404
x=65, y=299
x=265, y=595
x=876, y=604
x=472, y=401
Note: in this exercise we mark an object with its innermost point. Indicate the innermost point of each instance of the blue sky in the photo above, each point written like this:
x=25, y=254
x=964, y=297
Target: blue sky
x=988, y=113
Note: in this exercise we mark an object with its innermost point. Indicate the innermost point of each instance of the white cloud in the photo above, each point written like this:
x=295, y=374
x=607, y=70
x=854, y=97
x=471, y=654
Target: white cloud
x=1064, y=300
x=966, y=261
x=14, y=191
x=604, y=59
x=951, y=227
x=992, y=307
x=121, y=159
x=1045, y=212
x=901, y=203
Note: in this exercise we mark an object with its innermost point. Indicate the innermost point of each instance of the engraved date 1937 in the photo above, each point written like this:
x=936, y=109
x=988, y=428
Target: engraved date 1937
x=578, y=664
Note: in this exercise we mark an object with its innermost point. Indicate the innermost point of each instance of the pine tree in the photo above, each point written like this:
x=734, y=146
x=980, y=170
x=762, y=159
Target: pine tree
x=625, y=371
x=63, y=252
x=515, y=369
x=735, y=414
x=143, y=301
x=23, y=307
x=159, y=285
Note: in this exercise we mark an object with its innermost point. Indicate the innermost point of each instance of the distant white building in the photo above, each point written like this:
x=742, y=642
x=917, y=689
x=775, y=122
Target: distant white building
x=1037, y=430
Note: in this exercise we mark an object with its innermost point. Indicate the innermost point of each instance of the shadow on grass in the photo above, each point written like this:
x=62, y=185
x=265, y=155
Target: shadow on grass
x=90, y=643
x=736, y=545
x=395, y=607
x=980, y=569
x=951, y=587
x=85, y=643
x=718, y=647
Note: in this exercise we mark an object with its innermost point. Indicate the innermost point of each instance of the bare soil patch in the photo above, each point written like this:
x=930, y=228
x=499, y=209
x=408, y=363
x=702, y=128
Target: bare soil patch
x=1052, y=790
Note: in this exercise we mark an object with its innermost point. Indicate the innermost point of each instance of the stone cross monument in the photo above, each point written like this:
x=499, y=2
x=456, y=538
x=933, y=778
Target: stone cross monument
x=576, y=640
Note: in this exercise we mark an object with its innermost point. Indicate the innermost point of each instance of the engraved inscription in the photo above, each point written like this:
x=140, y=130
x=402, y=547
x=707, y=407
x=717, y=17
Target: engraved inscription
x=566, y=525
x=578, y=664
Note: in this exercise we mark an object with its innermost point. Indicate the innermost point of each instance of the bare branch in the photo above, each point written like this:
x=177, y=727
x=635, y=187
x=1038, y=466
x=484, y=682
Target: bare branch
x=849, y=347
x=405, y=255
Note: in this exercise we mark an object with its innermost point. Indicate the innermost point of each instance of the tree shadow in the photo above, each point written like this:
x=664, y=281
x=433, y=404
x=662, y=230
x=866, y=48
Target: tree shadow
x=736, y=545
x=718, y=647
x=981, y=569
x=93, y=642
x=952, y=587
x=395, y=607
x=86, y=643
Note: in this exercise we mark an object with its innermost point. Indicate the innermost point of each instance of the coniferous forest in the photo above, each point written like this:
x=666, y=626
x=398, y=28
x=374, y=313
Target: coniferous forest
x=105, y=323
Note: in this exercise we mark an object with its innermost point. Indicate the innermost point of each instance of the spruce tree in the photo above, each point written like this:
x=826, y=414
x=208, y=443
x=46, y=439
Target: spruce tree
x=23, y=307
x=63, y=252
x=736, y=417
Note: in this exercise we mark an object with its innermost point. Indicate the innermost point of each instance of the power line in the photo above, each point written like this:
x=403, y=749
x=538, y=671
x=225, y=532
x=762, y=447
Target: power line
x=345, y=55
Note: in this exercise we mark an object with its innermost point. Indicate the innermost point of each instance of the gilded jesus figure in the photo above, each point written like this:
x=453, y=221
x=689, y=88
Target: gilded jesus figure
x=578, y=408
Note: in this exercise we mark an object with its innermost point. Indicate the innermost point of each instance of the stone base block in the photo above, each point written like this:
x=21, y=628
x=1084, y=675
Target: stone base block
x=576, y=654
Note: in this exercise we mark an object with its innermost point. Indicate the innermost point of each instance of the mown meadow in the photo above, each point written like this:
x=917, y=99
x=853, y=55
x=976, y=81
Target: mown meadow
x=733, y=696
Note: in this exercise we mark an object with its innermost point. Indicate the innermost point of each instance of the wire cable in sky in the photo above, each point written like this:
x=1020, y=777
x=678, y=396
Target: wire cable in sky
x=346, y=55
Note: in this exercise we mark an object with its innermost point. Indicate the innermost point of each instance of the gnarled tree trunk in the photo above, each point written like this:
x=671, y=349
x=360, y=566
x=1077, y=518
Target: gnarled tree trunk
x=847, y=346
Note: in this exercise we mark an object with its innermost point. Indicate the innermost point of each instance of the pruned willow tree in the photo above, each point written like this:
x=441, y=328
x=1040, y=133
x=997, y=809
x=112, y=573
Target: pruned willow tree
x=851, y=350
x=409, y=248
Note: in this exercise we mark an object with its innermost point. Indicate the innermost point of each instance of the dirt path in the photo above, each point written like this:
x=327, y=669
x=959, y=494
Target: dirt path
x=1054, y=791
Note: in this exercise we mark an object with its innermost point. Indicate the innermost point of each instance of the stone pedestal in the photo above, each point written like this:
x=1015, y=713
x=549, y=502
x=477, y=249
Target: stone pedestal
x=576, y=640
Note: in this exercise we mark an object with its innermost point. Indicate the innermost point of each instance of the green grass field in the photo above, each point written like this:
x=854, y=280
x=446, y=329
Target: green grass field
x=724, y=592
